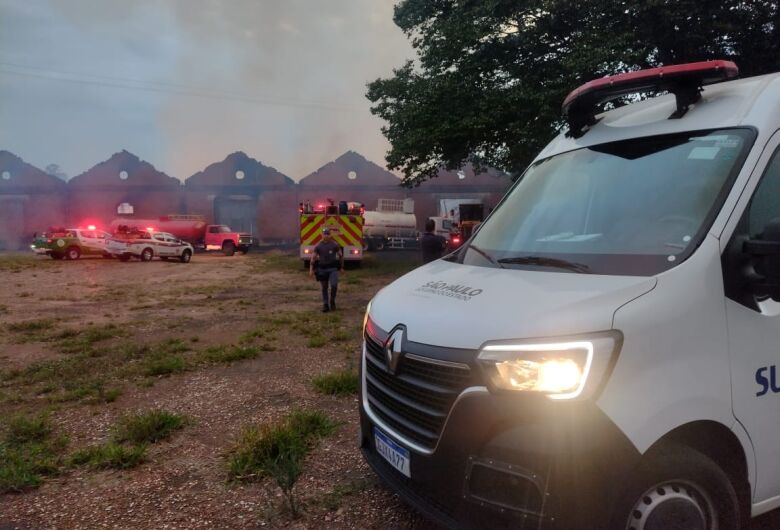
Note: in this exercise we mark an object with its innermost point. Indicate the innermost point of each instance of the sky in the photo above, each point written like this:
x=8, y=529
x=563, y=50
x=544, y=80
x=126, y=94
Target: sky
x=183, y=83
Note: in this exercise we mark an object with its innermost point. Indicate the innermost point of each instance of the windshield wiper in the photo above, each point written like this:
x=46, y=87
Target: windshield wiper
x=547, y=262
x=487, y=256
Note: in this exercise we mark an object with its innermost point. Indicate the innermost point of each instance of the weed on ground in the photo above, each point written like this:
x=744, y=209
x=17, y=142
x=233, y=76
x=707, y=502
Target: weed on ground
x=147, y=427
x=109, y=456
x=341, y=383
x=277, y=451
x=28, y=453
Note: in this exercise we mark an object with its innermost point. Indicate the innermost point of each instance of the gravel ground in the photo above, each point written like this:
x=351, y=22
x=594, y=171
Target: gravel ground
x=212, y=301
x=183, y=483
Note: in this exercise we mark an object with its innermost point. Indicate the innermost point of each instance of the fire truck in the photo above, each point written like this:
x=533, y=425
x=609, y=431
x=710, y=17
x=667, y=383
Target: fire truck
x=345, y=221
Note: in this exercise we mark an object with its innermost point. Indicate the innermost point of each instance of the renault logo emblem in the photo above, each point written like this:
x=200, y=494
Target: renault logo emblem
x=394, y=347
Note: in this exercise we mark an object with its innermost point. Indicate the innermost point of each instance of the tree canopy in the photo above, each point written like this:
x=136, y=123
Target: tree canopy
x=489, y=78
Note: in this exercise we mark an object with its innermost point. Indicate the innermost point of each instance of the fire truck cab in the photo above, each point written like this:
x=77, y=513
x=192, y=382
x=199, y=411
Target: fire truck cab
x=345, y=221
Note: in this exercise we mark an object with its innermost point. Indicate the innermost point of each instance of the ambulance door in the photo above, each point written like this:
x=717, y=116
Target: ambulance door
x=754, y=333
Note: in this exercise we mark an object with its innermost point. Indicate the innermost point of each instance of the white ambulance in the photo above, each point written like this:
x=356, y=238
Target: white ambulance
x=603, y=352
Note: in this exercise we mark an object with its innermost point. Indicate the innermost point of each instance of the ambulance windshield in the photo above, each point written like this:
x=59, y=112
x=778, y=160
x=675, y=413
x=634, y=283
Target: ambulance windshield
x=634, y=207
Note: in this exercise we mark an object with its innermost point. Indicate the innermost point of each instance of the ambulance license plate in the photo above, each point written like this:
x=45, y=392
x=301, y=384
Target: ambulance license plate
x=397, y=456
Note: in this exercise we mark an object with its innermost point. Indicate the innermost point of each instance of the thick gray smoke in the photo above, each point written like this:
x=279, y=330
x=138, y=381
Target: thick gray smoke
x=183, y=83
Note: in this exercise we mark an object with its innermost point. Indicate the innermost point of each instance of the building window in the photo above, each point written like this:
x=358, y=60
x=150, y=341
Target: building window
x=351, y=175
x=240, y=175
x=6, y=175
x=123, y=175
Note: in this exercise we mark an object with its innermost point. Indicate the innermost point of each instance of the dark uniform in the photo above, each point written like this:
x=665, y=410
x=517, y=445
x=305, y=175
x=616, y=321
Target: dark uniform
x=328, y=264
x=432, y=246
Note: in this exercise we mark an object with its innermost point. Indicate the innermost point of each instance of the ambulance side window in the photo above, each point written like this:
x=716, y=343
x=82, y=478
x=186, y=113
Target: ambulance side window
x=765, y=204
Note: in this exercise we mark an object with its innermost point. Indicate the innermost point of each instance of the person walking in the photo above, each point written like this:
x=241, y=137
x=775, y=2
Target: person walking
x=328, y=259
x=432, y=245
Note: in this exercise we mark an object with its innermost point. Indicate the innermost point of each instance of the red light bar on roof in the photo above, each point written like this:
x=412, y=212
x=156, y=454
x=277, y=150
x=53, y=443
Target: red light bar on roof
x=685, y=81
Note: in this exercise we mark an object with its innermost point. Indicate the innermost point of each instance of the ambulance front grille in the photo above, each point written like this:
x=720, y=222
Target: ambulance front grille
x=415, y=400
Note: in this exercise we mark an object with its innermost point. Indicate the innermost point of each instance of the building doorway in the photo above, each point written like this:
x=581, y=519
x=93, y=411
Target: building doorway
x=239, y=212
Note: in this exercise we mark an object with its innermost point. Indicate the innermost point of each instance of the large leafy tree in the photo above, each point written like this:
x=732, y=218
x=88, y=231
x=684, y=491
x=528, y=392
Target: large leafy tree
x=490, y=75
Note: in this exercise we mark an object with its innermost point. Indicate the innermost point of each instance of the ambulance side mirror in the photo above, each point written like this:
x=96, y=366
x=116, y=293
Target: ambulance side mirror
x=763, y=273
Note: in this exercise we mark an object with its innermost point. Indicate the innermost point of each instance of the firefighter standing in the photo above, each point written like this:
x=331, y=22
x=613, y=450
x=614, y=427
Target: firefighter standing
x=329, y=259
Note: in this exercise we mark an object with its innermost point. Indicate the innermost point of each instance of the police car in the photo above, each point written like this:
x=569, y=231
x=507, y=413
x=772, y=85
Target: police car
x=603, y=352
x=147, y=245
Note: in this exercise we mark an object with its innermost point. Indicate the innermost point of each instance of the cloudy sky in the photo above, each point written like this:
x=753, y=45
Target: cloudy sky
x=183, y=83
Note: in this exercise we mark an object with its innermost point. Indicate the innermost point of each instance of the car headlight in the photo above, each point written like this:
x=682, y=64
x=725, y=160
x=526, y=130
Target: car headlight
x=559, y=369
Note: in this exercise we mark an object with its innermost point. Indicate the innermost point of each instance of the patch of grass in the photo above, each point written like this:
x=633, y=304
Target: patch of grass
x=22, y=430
x=334, y=499
x=163, y=364
x=147, y=427
x=341, y=383
x=20, y=263
x=109, y=456
x=31, y=330
x=278, y=451
x=280, y=261
x=340, y=335
x=317, y=341
x=28, y=453
x=83, y=340
x=229, y=354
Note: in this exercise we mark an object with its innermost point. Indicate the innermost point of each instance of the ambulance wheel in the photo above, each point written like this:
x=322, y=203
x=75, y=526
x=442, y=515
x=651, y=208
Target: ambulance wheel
x=186, y=256
x=73, y=253
x=678, y=488
x=147, y=254
x=228, y=248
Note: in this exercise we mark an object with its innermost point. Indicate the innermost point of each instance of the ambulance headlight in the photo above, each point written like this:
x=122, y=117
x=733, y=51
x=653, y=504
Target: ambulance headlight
x=565, y=369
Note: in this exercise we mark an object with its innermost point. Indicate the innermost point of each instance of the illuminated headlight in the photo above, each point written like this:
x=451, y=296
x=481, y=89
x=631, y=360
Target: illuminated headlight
x=565, y=369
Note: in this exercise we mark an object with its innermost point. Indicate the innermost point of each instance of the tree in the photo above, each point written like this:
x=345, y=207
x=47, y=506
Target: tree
x=55, y=171
x=490, y=75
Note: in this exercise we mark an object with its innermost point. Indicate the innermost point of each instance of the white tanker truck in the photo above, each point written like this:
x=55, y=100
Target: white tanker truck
x=392, y=225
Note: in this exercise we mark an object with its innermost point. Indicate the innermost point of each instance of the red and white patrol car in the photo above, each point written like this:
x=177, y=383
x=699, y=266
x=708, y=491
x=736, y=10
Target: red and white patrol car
x=146, y=245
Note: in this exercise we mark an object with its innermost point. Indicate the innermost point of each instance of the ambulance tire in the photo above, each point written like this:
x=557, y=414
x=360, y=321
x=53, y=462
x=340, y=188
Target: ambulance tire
x=228, y=248
x=147, y=254
x=186, y=256
x=674, y=485
x=73, y=253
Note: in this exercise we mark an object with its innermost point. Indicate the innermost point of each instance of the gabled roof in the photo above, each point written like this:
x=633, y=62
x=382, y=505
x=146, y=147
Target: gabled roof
x=15, y=172
x=350, y=169
x=123, y=169
x=239, y=169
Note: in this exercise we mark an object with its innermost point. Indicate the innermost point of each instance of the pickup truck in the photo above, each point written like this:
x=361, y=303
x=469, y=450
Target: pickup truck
x=71, y=243
x=146, y=245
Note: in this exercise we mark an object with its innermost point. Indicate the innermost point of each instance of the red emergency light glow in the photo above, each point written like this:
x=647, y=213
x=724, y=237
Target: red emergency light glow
x=150, y=229
x=307, y=251
x=685, y=81
x=91, y=227
x=354, y=251
x=456, y=240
